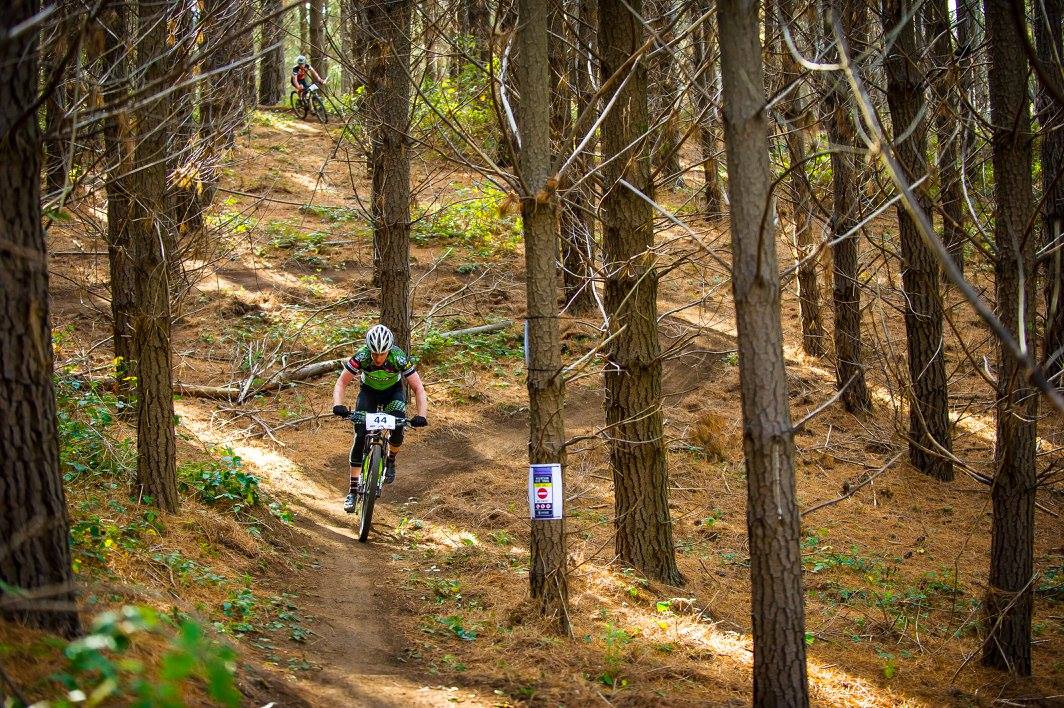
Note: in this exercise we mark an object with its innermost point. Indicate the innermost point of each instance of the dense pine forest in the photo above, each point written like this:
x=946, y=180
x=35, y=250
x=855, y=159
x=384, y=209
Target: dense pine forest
x=730, y=336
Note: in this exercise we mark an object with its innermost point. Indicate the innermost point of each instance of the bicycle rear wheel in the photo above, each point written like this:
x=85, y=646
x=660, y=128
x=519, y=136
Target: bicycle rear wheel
x=319, y=109
x=371, y=478
x=298, y=107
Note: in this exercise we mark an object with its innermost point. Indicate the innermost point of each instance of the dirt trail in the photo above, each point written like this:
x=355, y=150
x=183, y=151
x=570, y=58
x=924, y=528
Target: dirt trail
x=356, y=649
x=357, y=644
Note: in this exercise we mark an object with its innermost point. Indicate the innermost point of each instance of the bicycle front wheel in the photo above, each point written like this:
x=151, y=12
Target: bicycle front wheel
x=298, y=107
x=319, y=109
x=372, y=477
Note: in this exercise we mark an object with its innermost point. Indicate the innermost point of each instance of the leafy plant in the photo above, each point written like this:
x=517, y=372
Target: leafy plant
x=221, y=481
x=475, y=350
x=99, y=671
x=616, y=640
x=477, y=218
x=502, y=538
x=85, y=412
x=459, y=100
x=456, y=625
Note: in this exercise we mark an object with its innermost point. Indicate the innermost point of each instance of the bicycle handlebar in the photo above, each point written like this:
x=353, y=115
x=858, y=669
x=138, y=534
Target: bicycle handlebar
x=360, y=417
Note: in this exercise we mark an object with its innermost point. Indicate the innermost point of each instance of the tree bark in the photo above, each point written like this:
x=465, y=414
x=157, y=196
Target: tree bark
x=304, y=33
x=546, y=387
x=33, y=516
x=796, y=117
x=182, y=155
x=151, y=235
x=57, y=125
x=1049, y=38
x=347, y=44
x=1010, y=594
x=118, y=143
x=389, y=107
x=665, y=154
x=272, y=74
x=579, y=252
x=846, y=185
x=633, y=369
x=948, y=128
x=478, y=24
x=576, y=285
x=704, y=45
x=768, y=442
x=929, y=428
x=317, y=36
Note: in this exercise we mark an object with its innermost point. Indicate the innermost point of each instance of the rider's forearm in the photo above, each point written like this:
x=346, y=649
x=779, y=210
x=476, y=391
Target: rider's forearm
x=422, y=401
x=338, y=392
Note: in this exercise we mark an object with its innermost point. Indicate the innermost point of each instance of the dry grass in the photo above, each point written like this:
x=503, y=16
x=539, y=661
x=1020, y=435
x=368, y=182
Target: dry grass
x=893, y=575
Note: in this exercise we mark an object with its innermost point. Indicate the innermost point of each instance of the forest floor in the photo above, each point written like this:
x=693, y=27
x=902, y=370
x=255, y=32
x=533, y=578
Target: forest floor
x=434, y=609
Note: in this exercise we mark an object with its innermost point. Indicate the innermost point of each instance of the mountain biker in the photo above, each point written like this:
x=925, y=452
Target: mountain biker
x=382, y=368
x=299, y=75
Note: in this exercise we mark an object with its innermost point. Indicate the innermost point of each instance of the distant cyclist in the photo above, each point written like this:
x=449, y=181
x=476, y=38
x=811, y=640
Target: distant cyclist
x=382, y=368
x=300, y=80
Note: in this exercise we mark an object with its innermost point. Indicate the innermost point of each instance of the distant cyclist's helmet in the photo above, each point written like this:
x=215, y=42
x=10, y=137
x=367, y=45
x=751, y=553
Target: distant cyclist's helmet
x=379, y=339
x=301, y=60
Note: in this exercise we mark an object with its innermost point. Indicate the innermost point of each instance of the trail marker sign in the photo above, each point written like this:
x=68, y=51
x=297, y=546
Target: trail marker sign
x=545, y=492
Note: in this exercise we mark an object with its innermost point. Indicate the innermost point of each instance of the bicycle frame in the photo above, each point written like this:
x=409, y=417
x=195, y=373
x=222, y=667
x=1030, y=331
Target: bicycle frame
x=381, y=439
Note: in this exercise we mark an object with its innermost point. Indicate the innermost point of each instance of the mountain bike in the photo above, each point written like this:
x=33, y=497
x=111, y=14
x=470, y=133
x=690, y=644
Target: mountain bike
x=310, y=101
x=379, y=427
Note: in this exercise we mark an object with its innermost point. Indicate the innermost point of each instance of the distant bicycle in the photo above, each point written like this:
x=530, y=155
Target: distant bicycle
x=310, y=101
x=379, y=427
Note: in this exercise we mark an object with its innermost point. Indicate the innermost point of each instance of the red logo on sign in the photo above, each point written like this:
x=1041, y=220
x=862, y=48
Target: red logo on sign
x=541, y=493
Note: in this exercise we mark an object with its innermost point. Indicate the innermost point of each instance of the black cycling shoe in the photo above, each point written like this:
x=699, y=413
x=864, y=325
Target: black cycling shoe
x=389, y=471
x=349, y=503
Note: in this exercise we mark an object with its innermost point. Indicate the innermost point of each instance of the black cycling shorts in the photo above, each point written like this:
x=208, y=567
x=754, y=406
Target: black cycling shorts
x=390, y=400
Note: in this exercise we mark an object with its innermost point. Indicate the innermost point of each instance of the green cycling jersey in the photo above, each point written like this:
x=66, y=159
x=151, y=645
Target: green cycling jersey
x=395, y=368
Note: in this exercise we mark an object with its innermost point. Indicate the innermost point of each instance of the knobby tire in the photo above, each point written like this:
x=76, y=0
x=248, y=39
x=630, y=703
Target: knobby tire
x=319, y=109
x=369, y=496
x=298, y=107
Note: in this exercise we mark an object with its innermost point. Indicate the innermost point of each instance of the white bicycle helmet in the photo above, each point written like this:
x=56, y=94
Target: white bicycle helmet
x=301, y=60
x=379, y=339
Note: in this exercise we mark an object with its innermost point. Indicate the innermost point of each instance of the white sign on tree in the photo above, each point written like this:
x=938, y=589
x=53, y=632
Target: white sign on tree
x=545, y=492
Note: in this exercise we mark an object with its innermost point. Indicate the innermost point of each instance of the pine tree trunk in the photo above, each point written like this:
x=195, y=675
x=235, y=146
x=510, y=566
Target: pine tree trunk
x=151, y=235
x=118, y=144
x=846, y=185
x=768, y=442
x=546, y=387
x=633, y=369
x=948, y=130
x=57, y=138
x=704, y=45
x=479, y=27
x=573, y=242
x=246, y=85
x=579, y=252
x=271, y=66
x=1049, y=28
x=967, y=42
x=182, y=154
x=347, y=32
x=33, y=516
x=929, y=428
x=794, y=112
x=665, y=154
x=1010, y=596
x=304, y=31
x=389, y=105
x=317, y=36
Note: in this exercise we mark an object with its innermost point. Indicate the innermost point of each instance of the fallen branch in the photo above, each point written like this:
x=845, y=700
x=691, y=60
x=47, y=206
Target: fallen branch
x=479, y=329
x=850, y=491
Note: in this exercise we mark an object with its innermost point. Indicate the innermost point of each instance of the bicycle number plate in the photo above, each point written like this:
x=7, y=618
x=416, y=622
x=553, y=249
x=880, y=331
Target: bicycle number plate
x=380, y=421
x=313, y=87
